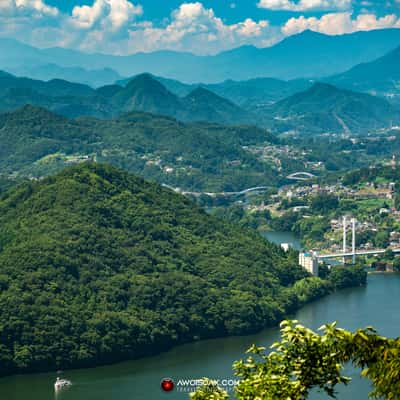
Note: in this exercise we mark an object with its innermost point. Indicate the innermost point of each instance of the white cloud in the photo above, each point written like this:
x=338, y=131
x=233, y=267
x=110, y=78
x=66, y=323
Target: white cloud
x=114, y=26
x=194, y=28
x=89, y=28
x=339, y=23
x=101, y=27
x=24, y=19
x=305, y=5
x=120, y=26
x=26, y=7
x=106, y=14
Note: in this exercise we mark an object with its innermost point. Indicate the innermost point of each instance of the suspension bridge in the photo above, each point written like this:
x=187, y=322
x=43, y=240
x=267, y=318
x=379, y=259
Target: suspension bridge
x=311, y=259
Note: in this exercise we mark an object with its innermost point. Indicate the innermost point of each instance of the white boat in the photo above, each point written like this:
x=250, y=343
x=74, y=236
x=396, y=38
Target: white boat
x=61, y=384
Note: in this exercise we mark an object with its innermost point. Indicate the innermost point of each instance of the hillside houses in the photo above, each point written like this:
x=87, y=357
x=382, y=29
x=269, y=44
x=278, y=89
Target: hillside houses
x=369, y=191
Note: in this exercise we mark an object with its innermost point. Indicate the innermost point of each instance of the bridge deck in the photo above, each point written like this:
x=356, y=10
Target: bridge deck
x=357, y=253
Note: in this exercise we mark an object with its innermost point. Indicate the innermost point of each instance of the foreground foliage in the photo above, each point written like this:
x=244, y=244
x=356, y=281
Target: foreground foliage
x=304, y=360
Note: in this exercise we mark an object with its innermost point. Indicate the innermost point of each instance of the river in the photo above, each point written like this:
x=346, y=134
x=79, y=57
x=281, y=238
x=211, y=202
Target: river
x=376, y=304
x=283, y=237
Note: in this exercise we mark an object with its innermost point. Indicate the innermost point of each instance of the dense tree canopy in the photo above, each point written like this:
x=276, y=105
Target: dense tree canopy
x=96, y=266
x=198, y=156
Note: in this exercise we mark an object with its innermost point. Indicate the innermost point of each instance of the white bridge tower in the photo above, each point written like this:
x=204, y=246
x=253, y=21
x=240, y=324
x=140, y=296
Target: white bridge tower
x=353, y=239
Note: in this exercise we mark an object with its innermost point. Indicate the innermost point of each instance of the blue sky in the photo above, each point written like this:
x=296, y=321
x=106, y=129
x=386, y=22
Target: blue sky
x=233, y=11
x=202, y=27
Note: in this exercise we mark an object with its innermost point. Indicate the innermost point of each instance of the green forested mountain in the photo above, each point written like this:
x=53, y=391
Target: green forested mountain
x=208, y=106
x=247, y=94
x=143, y=93
x=67, y=98
x=258, y=92
x=7, y=183
x=317, y=109
x=36, y=142
x=325, y=108
x=97, y=265
x=176, y=87
x=380, y=77
x=53, y=88
x=147, y=93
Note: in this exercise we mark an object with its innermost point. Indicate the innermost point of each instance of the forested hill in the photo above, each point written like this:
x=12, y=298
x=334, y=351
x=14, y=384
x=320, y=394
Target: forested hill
x=97, y=265
x=326, y=108
x=195, y=157
x=145, y=93
x=142, y=93
x=379, y=77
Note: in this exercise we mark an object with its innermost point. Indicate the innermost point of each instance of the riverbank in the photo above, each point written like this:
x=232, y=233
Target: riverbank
x=286, y=300
x=110, y=267
x=307, y=290
x=140, y=379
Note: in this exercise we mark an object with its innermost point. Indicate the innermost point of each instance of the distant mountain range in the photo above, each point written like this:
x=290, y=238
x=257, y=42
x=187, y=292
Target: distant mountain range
x=327, y=109
x=308, y=54
x=143, y=93
x=380, y=77
x=248, y=94
x=67, y=98
x=91, y=77
x=313, y=108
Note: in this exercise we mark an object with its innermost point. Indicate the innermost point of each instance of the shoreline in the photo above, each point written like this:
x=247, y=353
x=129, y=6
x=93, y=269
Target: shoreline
x=166, y=350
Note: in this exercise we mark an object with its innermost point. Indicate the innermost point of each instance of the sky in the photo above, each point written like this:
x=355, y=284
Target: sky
x=201, y=27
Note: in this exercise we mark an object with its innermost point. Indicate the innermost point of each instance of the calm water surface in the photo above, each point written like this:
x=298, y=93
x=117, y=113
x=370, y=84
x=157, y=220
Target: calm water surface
x=376, y=305
x=283, y=237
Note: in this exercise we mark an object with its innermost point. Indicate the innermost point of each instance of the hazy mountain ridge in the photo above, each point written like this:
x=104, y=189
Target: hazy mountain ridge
x=325, y=108
x=247, y=94
x=67, y=98
x=321, y=108
x=308, y=54
x=146, y=93
x=284, y=106
x=91, y=77
x=380, y=77
x=143, y=93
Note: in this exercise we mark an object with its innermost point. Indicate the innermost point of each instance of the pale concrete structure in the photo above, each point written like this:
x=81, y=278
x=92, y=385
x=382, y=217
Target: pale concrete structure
x=309, y=261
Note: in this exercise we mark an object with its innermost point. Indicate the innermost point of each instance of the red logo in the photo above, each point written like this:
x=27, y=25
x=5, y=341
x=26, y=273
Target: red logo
x=167, y=385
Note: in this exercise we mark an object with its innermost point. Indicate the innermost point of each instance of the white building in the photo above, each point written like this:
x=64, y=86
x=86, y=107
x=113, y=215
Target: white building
x=309, y=261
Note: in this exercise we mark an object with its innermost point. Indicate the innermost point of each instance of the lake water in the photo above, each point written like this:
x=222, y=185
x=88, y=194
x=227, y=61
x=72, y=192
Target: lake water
x=376, y=304
x=283, y=237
